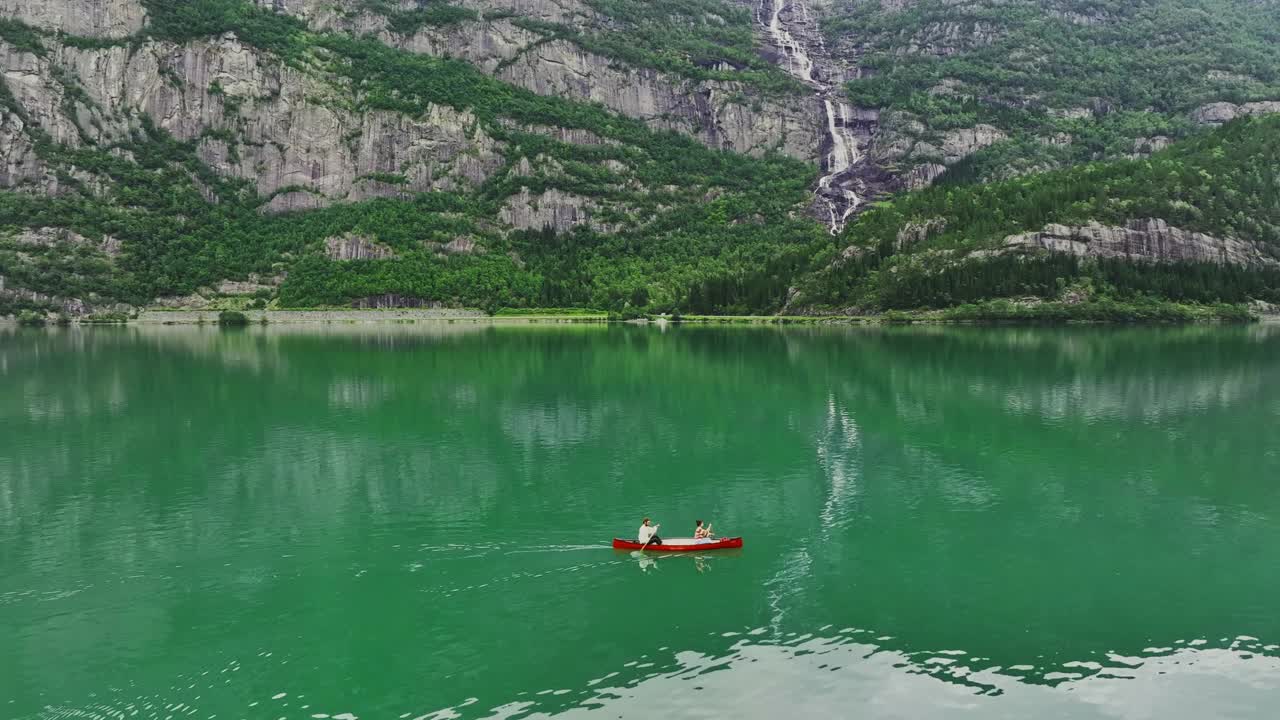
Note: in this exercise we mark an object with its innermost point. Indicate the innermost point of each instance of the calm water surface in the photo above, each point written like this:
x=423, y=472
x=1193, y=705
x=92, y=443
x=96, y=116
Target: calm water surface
x=413, y=522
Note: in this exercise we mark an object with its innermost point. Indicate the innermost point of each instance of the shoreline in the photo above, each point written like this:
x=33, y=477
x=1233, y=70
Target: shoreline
x=351, y=316
x=344, y=316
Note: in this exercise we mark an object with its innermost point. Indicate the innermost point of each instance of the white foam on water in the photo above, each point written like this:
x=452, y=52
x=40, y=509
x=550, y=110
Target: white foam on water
x=769, y=681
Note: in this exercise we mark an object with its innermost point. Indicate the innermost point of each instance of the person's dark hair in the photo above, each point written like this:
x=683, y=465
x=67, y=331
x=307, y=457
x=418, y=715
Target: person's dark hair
x=645, y=521
x=697, y=523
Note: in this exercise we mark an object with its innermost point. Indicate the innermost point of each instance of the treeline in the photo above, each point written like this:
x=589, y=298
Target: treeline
x=484, y=281
x=1051, y=275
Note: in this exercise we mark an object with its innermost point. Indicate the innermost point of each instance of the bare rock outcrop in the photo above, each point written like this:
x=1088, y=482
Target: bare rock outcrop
x=714, y=112
x=1149, y=240
x=1218, y=113
x=297, y=129
x=944, y=39
x=463, y=245
x=552, y=208
x=914, y=233
x=96, y=18
x=243, y=287
x=355, y=247
x=32, y=82
x=19, y=163
x=51, y=236
x=722, y=114
x=70, y=306
x=904, y=145
x=1142, y=147
x=963, y=142
x=923, y=175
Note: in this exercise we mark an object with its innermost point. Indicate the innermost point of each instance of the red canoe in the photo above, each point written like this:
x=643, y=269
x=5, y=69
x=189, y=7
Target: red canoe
x=679, y=545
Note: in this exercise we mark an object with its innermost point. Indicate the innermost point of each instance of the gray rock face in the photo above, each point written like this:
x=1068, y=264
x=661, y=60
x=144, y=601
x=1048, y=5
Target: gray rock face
x=19, y=164
x=31, y=80
x=355, y=247
x=236, y=287
x=70, y=306
x=1218, y=113
x=922, y=176
x=1149, y=240
x=725, y=115
x=1142, y=147
x=914, y=233
x=297, y=131
x=49, y=237
x=287, y=128
x=900, y=146
x=961, y=143
x=95, y=18
x=944, y=39
x=552, y=208
x=707, y=110
x=462, y=246
x=573, y=136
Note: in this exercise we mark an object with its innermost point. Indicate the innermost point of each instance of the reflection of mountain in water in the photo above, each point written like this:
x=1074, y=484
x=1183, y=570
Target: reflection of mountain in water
x=1030, y=497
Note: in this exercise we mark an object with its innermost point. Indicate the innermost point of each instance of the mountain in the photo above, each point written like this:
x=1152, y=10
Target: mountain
x=651, y=155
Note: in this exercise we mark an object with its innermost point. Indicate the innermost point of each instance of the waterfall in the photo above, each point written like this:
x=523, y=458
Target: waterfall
x=844, y=154
x=841, y=201
x=799, y=63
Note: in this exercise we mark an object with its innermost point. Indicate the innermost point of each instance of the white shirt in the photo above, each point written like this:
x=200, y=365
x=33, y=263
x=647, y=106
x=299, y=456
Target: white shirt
x=647, y=532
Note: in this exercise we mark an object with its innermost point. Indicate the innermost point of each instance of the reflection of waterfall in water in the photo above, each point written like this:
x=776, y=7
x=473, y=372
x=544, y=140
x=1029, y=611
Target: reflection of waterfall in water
x=839, y=450
x=787, y=581
x=843, y=154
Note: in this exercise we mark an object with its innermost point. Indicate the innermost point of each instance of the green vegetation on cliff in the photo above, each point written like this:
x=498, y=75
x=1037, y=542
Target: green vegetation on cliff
x=1223, y=183
x=681, y=211
x=1067, y=80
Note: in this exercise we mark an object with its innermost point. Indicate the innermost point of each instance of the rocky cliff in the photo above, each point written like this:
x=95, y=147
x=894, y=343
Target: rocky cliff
x=1142, y=240
x=89, y=18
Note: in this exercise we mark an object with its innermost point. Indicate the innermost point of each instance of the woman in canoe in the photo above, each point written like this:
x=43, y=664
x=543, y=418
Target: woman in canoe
x=702, y=534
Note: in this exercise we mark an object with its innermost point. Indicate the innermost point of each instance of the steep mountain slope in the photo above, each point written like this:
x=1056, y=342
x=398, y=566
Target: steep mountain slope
x=1046, y=83
x=182, y=142
x=697, y=154
x=1199, y=221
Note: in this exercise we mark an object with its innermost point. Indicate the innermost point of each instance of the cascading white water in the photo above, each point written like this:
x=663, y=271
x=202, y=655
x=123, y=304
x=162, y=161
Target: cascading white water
x=844, y=154
x=799, y=63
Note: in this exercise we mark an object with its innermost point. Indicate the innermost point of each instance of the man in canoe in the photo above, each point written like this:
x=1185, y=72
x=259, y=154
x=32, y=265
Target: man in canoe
x=648, y=534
